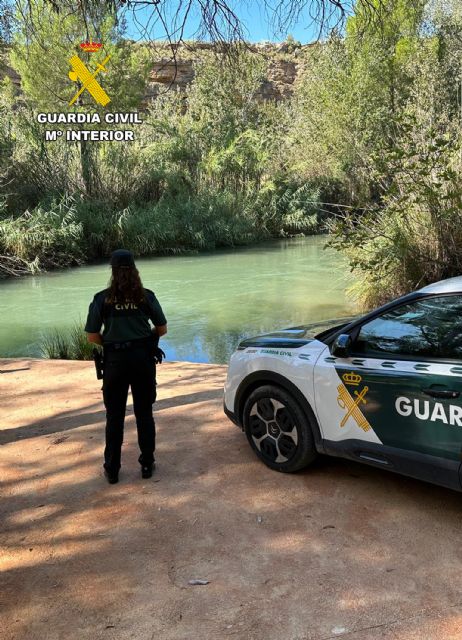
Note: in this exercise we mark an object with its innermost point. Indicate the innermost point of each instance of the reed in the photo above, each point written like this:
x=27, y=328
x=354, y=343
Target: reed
x=71, y=231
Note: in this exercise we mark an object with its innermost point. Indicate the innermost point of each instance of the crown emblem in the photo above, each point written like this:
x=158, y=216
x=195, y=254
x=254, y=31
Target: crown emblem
x=351, y=378
x=91, y=47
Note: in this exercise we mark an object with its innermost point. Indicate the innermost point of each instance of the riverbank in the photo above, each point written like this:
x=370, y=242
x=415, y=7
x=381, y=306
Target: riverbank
x=340, y=549
x=71, y=231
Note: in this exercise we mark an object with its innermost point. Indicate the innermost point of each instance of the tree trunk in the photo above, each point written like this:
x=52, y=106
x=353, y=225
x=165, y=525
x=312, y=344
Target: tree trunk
x=86, y=162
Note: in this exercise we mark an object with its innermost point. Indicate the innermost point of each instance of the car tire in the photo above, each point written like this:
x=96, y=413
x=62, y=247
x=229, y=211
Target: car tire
x=278, y=430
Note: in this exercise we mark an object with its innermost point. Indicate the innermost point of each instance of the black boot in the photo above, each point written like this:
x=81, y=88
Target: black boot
x=111, y=477
x=147, y=469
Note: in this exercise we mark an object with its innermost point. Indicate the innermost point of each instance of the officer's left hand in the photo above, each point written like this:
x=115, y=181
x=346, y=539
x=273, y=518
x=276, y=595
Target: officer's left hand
x=159, y=355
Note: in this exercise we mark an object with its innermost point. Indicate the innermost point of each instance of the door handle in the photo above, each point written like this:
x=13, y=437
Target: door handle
x=441, y=393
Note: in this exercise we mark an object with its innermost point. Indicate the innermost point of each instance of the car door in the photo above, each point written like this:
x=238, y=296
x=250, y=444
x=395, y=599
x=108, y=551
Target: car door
x=401, y=386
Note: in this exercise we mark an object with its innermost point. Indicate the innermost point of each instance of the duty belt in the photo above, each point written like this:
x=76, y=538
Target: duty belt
x=121, y=346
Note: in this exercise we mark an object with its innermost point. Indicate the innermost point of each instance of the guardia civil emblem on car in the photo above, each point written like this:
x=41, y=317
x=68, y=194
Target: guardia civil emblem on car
x=383, y=389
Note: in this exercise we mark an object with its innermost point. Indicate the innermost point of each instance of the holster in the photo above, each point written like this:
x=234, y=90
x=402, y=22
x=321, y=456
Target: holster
x=99, y=363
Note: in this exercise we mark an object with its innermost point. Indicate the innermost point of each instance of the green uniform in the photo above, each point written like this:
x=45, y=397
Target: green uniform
x=124, y=322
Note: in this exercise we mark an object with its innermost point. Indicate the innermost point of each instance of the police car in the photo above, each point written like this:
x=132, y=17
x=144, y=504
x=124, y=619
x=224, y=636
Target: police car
x=383, y=389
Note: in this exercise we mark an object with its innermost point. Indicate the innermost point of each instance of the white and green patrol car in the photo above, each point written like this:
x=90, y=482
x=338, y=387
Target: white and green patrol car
x=384, y=389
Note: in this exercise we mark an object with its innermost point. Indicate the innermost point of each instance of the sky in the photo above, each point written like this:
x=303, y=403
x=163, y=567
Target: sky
x=256, y=22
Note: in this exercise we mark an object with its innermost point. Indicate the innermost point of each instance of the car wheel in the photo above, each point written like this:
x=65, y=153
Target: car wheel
x=278, y=430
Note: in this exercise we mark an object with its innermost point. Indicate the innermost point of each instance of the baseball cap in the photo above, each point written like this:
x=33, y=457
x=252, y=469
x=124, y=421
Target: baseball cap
x=122, y=258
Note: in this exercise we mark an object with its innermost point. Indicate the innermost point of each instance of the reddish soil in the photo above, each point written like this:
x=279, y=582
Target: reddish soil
x=340, y=550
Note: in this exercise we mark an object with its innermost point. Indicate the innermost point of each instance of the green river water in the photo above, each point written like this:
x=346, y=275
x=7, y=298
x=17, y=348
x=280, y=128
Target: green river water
x=210, y=300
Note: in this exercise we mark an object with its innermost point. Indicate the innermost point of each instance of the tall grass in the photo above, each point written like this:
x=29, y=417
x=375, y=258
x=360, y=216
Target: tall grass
x=69, y=344
x=48, y=236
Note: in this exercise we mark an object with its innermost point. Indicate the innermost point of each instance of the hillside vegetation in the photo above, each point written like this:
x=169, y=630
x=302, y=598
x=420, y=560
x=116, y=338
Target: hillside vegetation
x=204, y=170
x=367, y=145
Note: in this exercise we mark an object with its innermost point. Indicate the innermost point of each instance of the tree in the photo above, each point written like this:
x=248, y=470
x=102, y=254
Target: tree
x=43, y=65
x=410, y=236
x=350, y=93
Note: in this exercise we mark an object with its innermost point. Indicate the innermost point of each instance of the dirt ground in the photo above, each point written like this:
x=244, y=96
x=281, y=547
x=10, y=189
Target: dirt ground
x=340, y=550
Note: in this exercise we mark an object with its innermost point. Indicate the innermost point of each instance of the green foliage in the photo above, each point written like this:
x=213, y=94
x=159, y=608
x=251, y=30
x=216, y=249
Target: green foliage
x=373, y=128
x=288, y=208
x=292, y=44
x=378, y=115
x=222, y=101
x=44, y=238
x=351, y=91
x=193, y=179
x=413, y=237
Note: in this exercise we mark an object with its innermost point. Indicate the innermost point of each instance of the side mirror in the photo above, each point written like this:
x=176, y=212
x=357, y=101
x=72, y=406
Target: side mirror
x=341, y=346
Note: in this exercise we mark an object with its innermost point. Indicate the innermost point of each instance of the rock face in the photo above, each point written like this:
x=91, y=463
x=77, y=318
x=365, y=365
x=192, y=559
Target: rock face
x=169, y=74
x=281, y=77
x=11, y=73
x=178, y=73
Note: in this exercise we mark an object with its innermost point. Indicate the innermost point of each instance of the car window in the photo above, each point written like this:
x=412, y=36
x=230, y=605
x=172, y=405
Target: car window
x=431, y=327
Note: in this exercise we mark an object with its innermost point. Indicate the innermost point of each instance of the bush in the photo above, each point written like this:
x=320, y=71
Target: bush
x=284, y=207
x=172, y=225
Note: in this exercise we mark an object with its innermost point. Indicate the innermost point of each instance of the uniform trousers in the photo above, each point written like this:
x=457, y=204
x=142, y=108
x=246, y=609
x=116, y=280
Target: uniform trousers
x=132, y=367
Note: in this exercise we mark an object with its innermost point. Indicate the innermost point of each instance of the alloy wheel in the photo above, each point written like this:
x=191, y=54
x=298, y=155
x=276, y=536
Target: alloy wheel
x=273, y=430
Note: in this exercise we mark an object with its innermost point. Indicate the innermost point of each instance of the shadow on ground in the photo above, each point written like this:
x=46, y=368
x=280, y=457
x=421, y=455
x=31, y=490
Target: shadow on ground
x=338, y=550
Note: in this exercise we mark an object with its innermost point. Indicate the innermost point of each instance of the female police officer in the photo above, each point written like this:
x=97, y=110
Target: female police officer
x=125, y=309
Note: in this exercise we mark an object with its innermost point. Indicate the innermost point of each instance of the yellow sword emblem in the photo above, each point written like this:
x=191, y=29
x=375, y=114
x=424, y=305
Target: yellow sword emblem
x=345, y=401
x=80, y=72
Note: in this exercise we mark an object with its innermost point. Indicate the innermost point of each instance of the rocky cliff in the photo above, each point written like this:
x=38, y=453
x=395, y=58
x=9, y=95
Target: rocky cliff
x=177, y=71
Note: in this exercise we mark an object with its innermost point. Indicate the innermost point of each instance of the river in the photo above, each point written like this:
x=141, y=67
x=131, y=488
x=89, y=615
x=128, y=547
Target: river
x=211, y=300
